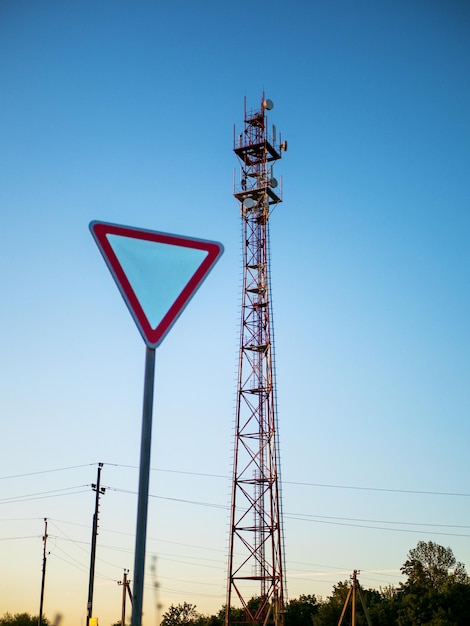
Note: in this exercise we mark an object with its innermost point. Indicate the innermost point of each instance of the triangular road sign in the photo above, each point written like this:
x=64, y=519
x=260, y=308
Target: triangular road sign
x=156, y=273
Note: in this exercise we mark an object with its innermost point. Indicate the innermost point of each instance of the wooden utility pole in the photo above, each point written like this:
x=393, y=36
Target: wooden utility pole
x=43, y=581
x=355, y=587
x=126, y=587
x=99, y=491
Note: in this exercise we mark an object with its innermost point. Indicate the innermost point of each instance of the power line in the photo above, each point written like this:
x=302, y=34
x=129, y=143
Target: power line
x=15, y=538
x=354, y=519
x=208, y=504
x=221, y=476
x=40, y=495
x=370, y=527
x=411, y=491
x=323, y=519
x=49, y=471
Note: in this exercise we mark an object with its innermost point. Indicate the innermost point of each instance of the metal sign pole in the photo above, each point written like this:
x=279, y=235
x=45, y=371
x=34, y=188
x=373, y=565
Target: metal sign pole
x=142, y=505
x=138, y=259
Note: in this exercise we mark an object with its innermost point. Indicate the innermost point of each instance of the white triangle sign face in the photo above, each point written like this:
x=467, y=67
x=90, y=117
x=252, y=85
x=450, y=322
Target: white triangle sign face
x=156, y=273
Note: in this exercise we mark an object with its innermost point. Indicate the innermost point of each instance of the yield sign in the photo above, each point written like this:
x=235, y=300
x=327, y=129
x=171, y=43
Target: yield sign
x=156, y=273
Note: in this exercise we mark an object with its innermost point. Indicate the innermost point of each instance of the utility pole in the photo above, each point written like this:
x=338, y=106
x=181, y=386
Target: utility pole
x=99, y=491
x=355, y=587
x=43, y=581
x=126, y=586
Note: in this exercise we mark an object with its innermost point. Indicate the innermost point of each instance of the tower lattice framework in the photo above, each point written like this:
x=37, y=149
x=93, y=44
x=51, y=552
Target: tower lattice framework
x=256, y=578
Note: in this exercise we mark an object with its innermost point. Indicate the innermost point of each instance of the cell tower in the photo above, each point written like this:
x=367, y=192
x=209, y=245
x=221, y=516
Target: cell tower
x=256, y=578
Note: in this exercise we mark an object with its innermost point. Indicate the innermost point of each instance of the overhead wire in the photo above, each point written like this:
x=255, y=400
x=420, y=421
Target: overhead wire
x=424, y=527
x=40, y=495
x=225, y=477
x=49, y=471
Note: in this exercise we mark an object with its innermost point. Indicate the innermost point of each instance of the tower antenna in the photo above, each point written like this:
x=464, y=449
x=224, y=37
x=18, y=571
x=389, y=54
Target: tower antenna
x=256, y=579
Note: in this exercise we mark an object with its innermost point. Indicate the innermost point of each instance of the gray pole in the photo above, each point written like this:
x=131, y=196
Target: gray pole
x=142, y=504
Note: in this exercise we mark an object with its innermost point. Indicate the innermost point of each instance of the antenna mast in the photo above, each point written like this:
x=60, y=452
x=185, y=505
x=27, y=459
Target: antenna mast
x=256, y=579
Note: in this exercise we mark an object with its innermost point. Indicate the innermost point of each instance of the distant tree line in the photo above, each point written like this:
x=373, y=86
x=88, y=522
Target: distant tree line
x=21, y=619
x=436, y=593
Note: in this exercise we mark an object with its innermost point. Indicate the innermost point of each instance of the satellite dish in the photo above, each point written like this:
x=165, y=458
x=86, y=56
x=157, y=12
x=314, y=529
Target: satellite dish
x=273, y=183
x=268, y=105
x=283, y=146
x=249, y=203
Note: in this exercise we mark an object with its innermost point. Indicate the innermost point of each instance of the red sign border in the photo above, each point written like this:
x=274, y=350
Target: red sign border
x=153, y=336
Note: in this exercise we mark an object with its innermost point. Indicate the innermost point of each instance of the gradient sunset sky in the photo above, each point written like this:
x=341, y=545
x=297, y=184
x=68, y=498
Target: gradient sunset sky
x=124, y=112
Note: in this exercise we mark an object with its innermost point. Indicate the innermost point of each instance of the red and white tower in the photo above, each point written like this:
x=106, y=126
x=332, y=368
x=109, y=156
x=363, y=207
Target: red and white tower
x=256, y=578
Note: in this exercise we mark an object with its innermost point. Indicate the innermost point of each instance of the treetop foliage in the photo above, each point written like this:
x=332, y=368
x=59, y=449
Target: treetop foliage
x=21, y=619
x=433, y=567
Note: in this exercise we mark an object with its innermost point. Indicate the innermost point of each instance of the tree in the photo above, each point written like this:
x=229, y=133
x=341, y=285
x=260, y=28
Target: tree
x=329, y=611
x=437, y=592
x=384, y=612
x=181, y=615
x=236, y=615
x=300, y=611
x=433, y=567
x=21, y=619
x=212, y=620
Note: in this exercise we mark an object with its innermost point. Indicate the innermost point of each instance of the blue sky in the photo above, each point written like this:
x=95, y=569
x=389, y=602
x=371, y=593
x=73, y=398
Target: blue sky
x=124, y=112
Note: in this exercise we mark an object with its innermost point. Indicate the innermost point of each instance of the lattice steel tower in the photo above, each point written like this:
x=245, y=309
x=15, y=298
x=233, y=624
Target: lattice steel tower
x=256, y=583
